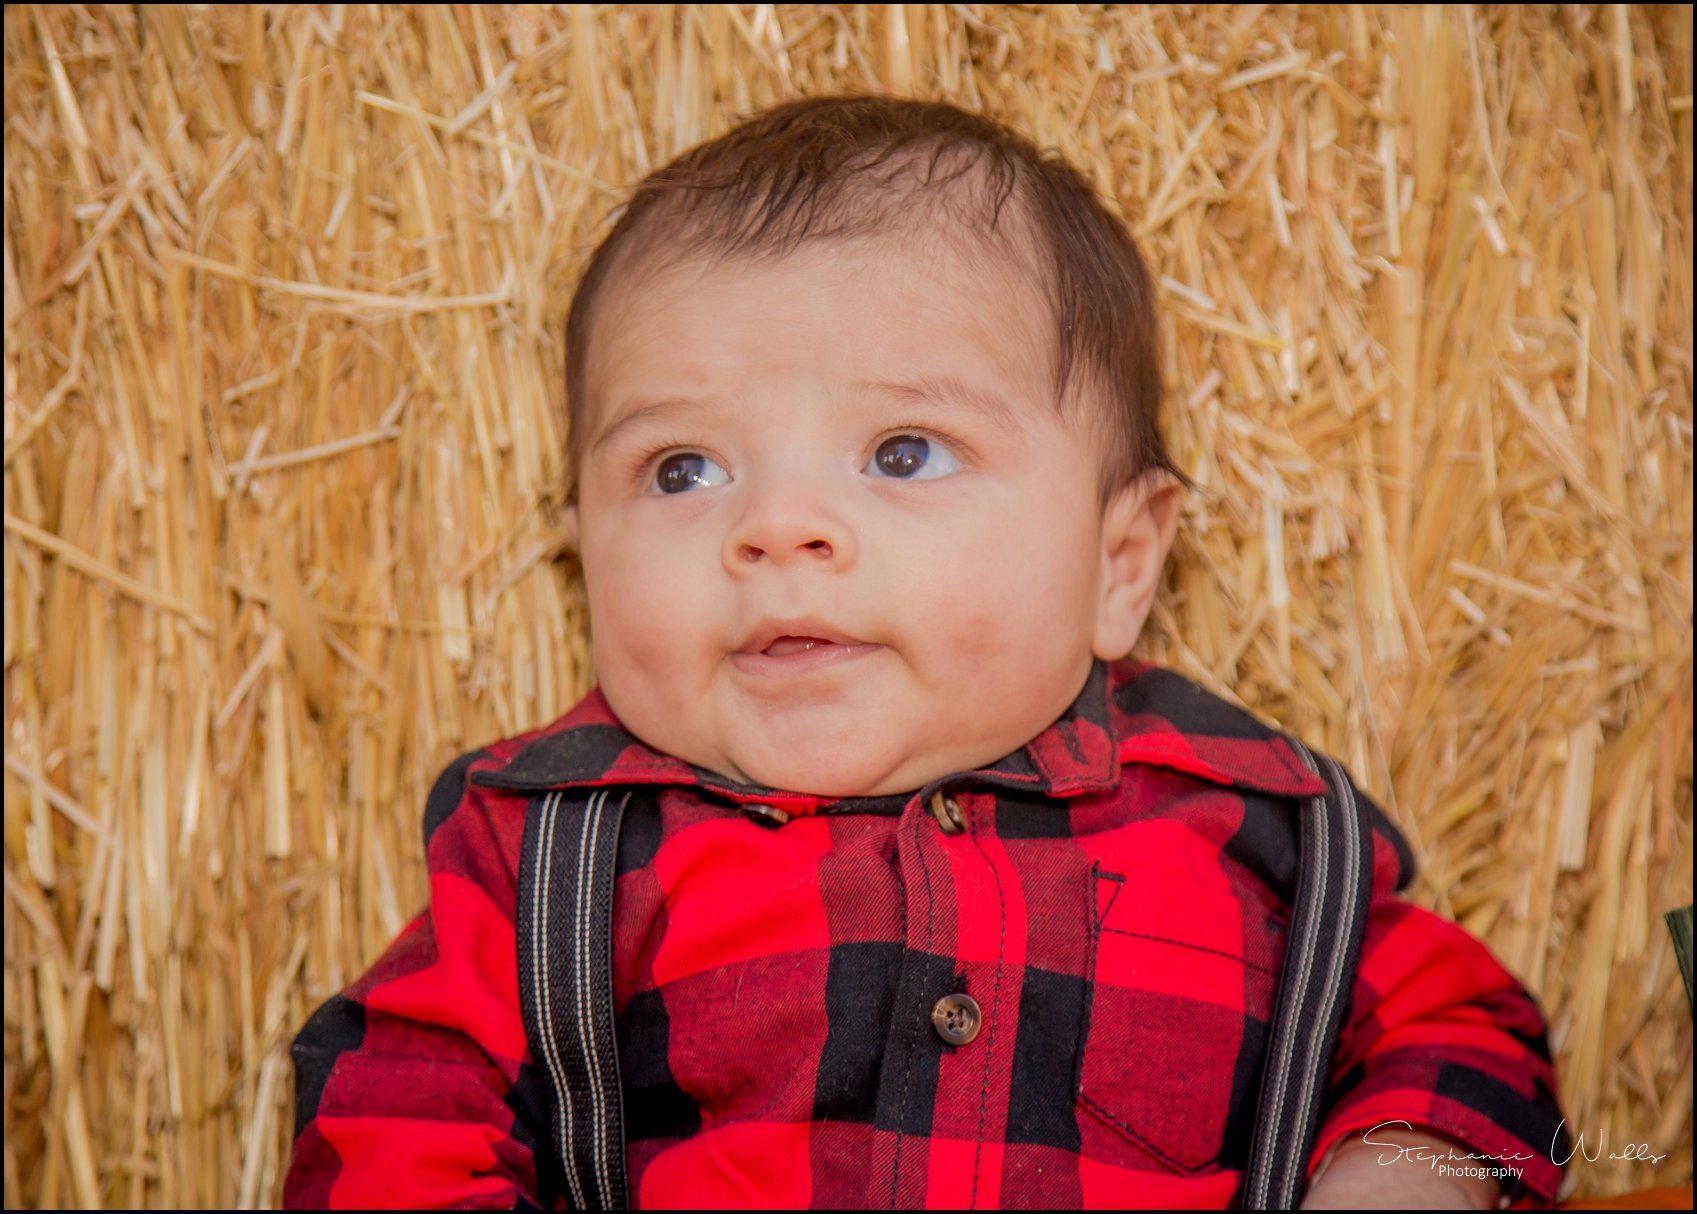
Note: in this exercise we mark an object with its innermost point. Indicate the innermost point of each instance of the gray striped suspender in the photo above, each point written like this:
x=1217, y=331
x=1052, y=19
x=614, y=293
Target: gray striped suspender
x=565, y=948
x=1326, y=926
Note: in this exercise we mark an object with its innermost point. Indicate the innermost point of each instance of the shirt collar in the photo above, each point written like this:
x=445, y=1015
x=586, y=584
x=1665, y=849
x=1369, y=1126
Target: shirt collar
x=1128, y=712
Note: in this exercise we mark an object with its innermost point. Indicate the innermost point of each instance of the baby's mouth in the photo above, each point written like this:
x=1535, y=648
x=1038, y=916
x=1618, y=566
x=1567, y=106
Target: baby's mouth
x=799, y=654
x=784, y=646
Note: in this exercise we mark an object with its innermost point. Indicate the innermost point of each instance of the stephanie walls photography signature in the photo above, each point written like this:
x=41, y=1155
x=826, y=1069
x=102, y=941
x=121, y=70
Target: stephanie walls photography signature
x=1560, y=1153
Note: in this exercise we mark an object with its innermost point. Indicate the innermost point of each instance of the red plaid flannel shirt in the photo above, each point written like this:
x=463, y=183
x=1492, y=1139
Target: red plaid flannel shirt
x=1117, y=906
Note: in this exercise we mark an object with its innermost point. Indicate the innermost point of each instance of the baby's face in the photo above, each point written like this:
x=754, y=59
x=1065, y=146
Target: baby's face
x=857, y=442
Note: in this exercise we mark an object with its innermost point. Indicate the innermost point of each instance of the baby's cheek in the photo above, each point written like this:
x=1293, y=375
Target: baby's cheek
x=986, y=622
x=993, y=625
x=1028, y=618
x=638, y=620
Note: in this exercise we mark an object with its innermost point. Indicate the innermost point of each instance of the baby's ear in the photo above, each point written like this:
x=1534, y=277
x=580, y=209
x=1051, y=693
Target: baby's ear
x=1137, y=532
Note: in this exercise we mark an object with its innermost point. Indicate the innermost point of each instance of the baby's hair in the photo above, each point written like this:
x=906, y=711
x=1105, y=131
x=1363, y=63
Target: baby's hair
x=844, y=167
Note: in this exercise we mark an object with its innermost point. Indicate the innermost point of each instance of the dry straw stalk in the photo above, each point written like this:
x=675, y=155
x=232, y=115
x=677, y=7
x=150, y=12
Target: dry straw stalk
x=284, y=298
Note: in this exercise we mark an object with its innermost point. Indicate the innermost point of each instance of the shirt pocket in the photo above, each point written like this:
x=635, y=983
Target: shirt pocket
x=1175, y=1025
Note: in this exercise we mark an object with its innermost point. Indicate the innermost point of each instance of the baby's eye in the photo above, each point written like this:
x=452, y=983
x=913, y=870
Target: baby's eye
x=913, y=457
x=681, y=472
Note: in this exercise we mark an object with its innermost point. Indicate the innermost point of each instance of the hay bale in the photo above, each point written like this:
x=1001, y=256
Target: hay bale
x=284, y=292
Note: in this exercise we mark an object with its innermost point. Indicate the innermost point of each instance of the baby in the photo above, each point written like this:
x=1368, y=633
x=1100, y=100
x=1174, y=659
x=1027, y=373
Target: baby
x=923, y=893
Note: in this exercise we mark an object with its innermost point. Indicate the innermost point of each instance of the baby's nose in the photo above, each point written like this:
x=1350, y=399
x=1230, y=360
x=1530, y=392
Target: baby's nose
x=821, y=549
x=783, y=529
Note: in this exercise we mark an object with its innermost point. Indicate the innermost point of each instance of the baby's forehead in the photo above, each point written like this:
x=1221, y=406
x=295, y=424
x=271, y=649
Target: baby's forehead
x=941, y=280
x=848, y=308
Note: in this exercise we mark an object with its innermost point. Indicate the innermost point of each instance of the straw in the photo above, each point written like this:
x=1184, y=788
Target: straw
x=285, y=295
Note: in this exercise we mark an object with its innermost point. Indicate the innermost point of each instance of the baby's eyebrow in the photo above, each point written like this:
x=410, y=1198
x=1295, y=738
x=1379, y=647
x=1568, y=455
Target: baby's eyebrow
x=650, y=411
x=950, y=391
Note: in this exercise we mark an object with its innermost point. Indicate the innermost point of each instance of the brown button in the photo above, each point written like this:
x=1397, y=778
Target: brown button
x=957, y=1018
x=950, y=816
x=770, y=812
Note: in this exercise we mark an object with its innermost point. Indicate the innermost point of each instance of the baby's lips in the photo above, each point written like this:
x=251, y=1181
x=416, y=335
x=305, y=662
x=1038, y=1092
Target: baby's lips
x=800, y=658
x=804, y=629
x=788, y=644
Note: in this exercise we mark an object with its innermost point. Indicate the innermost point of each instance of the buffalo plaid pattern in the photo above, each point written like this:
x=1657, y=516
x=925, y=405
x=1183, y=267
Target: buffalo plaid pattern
x=1116, y=903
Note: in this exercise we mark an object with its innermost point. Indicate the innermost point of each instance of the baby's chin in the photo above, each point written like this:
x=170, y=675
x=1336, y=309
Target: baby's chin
x=878, y=760
x=817, y=757
x=821, y=749
x=826, y=771
x=873, y=766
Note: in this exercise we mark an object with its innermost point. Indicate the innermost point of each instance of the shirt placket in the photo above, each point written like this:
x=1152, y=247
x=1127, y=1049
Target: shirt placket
x=943, y=1086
